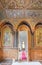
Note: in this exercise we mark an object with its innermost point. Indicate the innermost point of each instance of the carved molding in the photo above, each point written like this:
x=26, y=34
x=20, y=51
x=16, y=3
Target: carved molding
x=23, y=13
x=1, y=7
x=18, y=4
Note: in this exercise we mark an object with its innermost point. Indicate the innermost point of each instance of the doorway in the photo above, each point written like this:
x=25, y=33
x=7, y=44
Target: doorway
x=23, y=45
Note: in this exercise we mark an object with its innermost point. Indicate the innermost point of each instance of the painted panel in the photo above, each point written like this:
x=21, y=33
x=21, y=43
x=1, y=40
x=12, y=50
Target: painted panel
x=39, y=36
x=7, y=38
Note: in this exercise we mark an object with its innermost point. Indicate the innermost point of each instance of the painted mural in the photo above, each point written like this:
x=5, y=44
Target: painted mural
x=39, y=36
x=7, y=37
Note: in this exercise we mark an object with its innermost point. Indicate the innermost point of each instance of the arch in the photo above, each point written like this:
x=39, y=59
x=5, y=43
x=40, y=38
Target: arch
x=8, y=24
x=24, y=23
x=38, y=34
x=39, y=23
x=28, y=33
x=7, y=32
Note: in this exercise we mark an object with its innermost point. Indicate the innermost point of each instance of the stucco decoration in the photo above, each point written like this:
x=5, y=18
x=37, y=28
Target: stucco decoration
x=23, y=13
x=15, y=4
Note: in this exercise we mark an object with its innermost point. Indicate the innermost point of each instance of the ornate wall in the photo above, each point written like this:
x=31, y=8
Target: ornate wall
x=16, y=13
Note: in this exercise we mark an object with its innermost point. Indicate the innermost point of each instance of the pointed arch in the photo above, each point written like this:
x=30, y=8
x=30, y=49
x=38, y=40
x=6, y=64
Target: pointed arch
x=25, y=23
x=8, y=24
x=25, y=28
x=39, y=23
x=38, y=34
x=7, y=34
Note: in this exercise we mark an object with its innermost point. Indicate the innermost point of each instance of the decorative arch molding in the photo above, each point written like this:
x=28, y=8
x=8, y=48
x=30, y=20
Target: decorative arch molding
x=7, y=23
x=7, y=34
x=39, y=23
x=25, y=28
x=25, y=23
x=38, y=35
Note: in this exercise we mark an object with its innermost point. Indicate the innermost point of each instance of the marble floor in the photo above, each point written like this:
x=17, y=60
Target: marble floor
x=12, y=62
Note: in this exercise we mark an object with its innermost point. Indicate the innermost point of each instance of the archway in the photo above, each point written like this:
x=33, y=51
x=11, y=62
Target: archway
x=38, y=35
x=38, y=42
x=7, y=34
x=24, y=38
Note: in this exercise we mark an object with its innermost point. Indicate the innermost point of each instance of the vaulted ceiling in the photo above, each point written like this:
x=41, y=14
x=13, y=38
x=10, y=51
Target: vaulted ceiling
x=21, y=4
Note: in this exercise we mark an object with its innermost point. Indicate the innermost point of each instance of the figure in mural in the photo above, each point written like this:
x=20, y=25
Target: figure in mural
x=7, y=38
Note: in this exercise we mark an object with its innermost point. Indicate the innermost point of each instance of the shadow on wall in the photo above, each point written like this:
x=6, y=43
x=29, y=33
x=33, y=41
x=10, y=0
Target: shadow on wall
x=1, y=55
x=1, y=50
